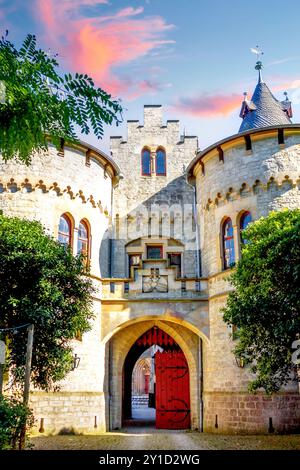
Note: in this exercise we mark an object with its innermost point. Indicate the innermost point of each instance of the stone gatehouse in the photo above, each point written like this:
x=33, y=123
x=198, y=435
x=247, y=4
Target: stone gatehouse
x=160, y=222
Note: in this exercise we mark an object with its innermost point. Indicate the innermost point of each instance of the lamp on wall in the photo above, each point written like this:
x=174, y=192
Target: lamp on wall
x=76, y=362
x=239, y=362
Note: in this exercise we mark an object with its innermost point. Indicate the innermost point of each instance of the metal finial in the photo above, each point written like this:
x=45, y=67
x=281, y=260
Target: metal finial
x=286, y=95
x=245, y=95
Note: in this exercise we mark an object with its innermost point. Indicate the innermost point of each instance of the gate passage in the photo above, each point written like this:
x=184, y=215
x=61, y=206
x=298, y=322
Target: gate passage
x=172, y=383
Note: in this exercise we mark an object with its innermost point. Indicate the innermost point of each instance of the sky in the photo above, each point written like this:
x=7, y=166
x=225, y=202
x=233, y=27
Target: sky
x=193, y=57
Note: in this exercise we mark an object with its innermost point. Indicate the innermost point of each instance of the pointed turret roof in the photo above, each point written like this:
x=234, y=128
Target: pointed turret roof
x=264, y=109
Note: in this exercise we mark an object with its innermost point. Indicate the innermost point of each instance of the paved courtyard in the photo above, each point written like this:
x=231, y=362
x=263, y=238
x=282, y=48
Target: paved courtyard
x=152, y=439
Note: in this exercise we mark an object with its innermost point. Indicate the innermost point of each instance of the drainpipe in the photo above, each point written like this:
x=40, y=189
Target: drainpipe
x=198, y=266
x=109, y=384
x=200, y=349
x=200, y=361
x=110, y=240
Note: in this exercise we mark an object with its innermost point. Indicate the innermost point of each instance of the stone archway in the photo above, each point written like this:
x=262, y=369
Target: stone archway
x=119, y=346
x=140, y=376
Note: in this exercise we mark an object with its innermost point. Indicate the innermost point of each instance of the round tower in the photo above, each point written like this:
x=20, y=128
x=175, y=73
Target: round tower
x=240, y=179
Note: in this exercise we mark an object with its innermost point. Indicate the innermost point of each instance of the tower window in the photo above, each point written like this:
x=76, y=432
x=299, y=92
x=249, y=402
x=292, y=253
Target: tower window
x=160, y=162
x=244, y=221
x=228, y=244
x=146, y=162
x=248, y=142
x=65, y=231
x=83, y=242
x=280, y=136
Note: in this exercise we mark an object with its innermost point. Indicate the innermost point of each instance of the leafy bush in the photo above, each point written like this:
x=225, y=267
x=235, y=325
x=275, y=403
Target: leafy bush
x=13, y=416
x=265, y=304
x=42, y=284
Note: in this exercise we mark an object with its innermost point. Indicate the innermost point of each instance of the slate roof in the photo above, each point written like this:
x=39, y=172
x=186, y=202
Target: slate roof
x=263, y=110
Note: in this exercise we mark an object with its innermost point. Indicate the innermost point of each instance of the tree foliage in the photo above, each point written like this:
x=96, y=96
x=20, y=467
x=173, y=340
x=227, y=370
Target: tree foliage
x=41, y=283
x=36, y=101
x=265, y=305
x=13, y=416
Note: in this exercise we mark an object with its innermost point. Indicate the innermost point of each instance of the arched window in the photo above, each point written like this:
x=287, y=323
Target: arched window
x=65, y=230
x=244, y=221
x=83, y=247
x=160, y=162
x=146, y=162
x=228, y=244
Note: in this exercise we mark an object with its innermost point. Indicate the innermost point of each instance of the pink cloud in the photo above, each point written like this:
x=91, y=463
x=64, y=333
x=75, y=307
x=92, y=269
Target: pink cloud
x=209, y=105
x=126, y=12
x=288, y=85
x=54, y=12
x=224, y=103
x=99, y=45
x=129, y=11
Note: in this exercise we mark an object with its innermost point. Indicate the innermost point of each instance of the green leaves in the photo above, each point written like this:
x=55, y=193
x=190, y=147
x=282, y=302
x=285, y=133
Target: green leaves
x=44, y=284
x=13, y=416
x=265, y=305
x=38, y=101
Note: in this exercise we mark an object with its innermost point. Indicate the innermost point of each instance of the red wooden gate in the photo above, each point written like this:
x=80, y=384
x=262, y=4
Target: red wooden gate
x=172, y=390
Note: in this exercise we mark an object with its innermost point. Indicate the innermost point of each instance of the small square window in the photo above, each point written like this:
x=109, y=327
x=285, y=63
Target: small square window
x=154, y=252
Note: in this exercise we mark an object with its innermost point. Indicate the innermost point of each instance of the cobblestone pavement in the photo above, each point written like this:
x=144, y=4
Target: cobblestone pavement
x=147, y=439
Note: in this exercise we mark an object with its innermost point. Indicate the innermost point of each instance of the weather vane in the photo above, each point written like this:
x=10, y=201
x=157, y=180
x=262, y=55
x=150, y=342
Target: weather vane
x=258, y=52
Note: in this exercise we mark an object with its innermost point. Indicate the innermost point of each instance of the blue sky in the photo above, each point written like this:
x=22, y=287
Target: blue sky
x=191, y=56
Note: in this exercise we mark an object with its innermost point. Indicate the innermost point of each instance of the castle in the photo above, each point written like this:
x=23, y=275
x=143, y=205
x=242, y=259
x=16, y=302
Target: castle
x=160, y=222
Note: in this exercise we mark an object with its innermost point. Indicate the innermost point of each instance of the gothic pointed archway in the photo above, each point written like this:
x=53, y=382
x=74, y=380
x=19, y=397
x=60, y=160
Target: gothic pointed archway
x=169, y=394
